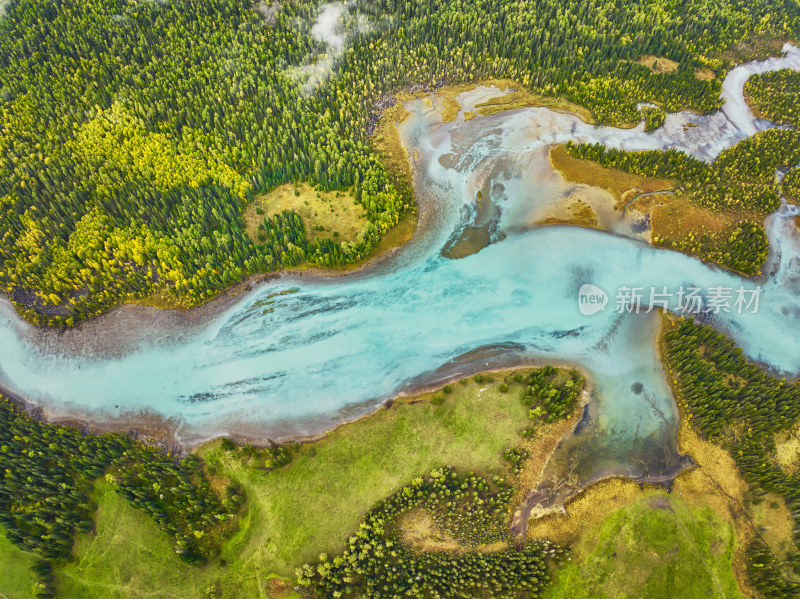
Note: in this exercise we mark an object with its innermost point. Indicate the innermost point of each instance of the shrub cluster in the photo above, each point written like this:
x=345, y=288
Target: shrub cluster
x=377, y=564
x=47, y=475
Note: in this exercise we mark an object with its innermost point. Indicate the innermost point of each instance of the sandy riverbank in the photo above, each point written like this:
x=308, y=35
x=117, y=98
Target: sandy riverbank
x=130, y=327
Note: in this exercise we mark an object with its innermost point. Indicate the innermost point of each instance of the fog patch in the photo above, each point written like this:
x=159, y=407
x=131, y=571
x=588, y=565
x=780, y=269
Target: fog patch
x=3, y=7
x=327, y=28
x=268, y=10
x=336, y=24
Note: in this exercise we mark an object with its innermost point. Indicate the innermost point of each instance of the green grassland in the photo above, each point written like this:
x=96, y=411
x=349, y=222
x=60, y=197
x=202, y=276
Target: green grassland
x=325, y=214
x=128, y=556
x=314, y=504
x=294, y=513
x=657, y=547
x=15, y=577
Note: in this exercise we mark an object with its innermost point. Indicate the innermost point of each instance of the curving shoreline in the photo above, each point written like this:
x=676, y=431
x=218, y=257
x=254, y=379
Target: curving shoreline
x=109, y=333
x=143, y=329
x=154, y=428
x=117, y=333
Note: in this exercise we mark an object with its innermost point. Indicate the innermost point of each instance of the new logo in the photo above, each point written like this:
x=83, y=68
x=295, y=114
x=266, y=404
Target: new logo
x=591, y=299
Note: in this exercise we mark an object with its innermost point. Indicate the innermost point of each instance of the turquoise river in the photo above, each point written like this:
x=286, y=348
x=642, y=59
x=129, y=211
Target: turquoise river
x=299, y=354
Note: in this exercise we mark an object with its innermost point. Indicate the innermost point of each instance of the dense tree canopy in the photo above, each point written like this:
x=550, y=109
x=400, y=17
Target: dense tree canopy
x=774, y=96
x=791, y=185
x=735, y=403
x=133, y=132
x=742, y=181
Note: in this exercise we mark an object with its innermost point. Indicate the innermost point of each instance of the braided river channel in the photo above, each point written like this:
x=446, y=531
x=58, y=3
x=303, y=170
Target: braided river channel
x=479, y=286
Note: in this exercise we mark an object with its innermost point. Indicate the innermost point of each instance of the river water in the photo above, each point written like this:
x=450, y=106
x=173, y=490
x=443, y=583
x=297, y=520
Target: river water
x=299, y=355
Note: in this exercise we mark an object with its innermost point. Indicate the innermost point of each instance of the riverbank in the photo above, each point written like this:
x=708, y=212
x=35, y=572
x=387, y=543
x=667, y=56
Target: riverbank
x=119, y=331
x=268, y=362
x=313, y=504
x=511, y=95
x=711, y=495
x=717, y=482
x=124, y=328
x=171, y=433
x=675, y=219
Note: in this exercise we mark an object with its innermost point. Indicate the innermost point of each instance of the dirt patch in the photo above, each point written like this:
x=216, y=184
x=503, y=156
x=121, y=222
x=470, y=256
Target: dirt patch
x=757, y=46
x=494, y=547
x=579, y=213
x=787, y=449
x=478, y=234
x=326, y=214
x=660, y=503
x=734, y=381
x=658, y=64
x=421, y=533
x=678, y=217
x=676, y=220
x=268, y=10
x=645, y=203
x=523, y=98
x=705, y=74
x=278, y=588
x=623, y=186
